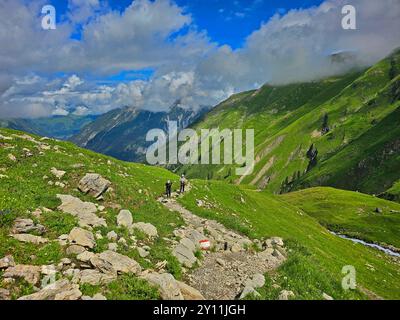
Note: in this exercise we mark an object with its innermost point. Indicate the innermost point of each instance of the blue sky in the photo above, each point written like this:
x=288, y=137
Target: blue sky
x=226, y=21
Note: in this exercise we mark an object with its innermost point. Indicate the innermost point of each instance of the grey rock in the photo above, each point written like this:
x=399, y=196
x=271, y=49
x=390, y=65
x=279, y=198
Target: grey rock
x=189, y=293
x=6, y=262
x=75, y=250
x=60, y=290
x=110, y=261
x=168, y=286
x=112, y=236
x=5, y=294
x=84, y=211
x=26, y=226
x=28, y=238
x=113, y=247
x=184, y=255
x=31, y=274
x=82, y=238
x=93, y=184
x=124, y=219
x=286, y=295
x=147, y=228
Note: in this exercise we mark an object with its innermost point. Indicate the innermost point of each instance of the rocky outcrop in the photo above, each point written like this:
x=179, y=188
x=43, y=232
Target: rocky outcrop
x=29, y=273
x=93, y=277
x=26, y=226
x=168, y=286
x=6, y=262
x=29, y=238
x=60, y=290
x=84, y=211
x=93, y=184
x=82, y=238
x=113, y=262
x=184, y=252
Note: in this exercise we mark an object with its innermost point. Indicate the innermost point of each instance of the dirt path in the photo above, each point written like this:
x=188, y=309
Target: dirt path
x=232, y=266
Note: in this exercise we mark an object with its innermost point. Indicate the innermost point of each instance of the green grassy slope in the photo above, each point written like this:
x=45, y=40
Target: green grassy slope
x=350, y=213
x=362, y=141
x=24, y=189
x=317, y=256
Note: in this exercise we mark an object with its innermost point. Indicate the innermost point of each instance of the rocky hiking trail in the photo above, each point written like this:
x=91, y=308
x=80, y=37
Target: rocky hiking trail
x=99, y=247
x=234, y=267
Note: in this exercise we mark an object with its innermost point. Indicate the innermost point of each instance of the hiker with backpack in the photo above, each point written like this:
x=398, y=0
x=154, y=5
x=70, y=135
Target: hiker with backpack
x=183, y=183
x=168, y=187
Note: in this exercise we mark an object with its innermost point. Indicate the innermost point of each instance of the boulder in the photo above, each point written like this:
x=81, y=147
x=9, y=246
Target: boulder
x=286, y=295
x=28, y=238
x=82, y=238
x=93, y=277
x=31, y=274
x=93, y=184
x=147, y=228
x=184, y=255
x=85, y=256
x=124, y=219
x=6, y=262
x=168, y=286
x=110, y=261
x=258, y=281
x=84, y=211
x=26, y=226
x=189, y=293
x=5, y=294
x=75, y=250
x=59, y=290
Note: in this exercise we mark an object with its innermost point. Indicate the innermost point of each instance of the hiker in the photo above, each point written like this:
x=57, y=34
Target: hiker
x=168, y=187
x=183, y=183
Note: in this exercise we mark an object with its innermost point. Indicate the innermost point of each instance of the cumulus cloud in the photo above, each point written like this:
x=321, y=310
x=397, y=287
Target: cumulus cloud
x=189, y=68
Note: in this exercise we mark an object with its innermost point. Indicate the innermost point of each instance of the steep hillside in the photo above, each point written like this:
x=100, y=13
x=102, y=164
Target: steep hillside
x=393, y=194
x=59, y=127
x=121, y=133
x=34, y=172
x=340, y=132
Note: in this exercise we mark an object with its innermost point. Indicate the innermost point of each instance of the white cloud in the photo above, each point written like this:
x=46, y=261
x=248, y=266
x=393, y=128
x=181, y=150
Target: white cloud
x=189, y=68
